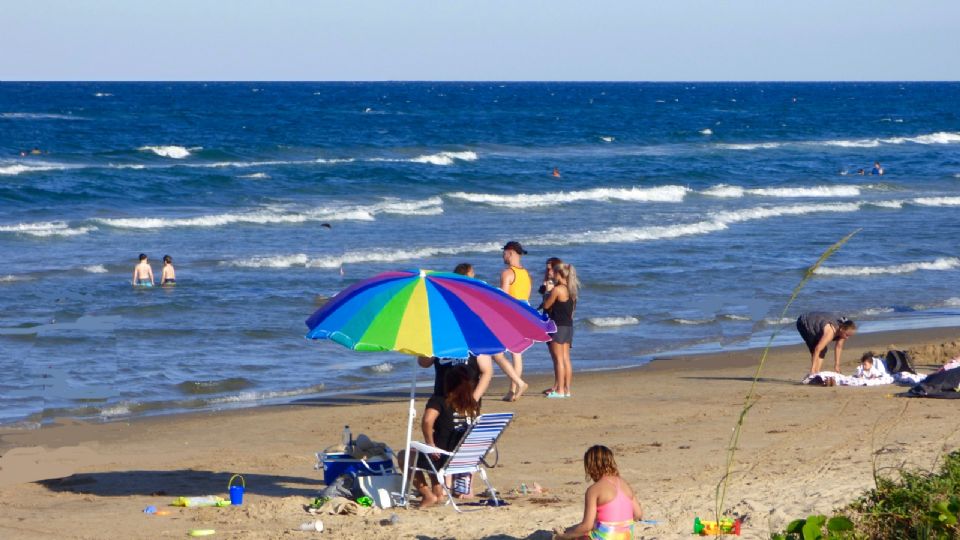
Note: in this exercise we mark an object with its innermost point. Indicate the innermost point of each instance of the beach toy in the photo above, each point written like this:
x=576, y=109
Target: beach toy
x=201, y=532
x=716, y=528
x=150, y=510
x=236, y=492
x=207, y=500
x=365, y=501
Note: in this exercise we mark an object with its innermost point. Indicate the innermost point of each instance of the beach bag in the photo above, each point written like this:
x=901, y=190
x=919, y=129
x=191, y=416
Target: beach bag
x=381, y=488
x=898, y=362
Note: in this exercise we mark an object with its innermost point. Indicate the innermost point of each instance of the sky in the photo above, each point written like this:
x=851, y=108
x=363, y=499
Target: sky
x=504, y=40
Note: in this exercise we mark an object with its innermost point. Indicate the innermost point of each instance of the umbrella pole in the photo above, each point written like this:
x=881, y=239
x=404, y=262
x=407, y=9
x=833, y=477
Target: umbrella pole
x=410, y=417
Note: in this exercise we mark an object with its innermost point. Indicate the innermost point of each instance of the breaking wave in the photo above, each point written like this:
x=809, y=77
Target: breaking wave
x=727, y=191
x=943, y=263
x=431, y=206
x=38, y=116
x=170, y=151
x=17, y=168
x=531, y=200
x=96, y=269
x=608, y=322
x=937, y=201
x=46, y=228
x=440, y=158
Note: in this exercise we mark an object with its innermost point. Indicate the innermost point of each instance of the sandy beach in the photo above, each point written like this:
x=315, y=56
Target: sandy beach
x=804, y=449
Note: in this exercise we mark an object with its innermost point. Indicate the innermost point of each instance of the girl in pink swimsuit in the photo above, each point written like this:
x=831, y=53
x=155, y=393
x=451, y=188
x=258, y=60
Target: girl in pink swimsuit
x=611, y=507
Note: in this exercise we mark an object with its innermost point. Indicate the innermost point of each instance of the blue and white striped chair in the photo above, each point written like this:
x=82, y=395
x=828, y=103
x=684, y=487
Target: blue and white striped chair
x=467, y=457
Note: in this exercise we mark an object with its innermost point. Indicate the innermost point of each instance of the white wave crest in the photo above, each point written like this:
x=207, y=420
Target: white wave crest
x=940, y=137
x=258, y=175
x=749, y=146
x=626, y=235
x=605, y=322
x=385, y=367
x=38, y=116
x=861, y=143
x=17, y=168
x=278, y=261
x=749, y=214
x=943, y=263
x=870, y=312
x=607, y=139
x=10, y=278
x=692, y=321
x=169, y=151
x=706, y=131
x=103, y=94
x=426, y=207
x=96, y=269
x=937, y=201
x=445, y=158
x=334, y=160
x=397, y=255
x=46, y=228
x=886, y=204
x=531, y=200
x=727, y=191
x=778, y=322
x=724, y=191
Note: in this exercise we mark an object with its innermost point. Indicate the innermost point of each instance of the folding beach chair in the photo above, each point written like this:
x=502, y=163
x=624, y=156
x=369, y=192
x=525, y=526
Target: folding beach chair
x=467, y=457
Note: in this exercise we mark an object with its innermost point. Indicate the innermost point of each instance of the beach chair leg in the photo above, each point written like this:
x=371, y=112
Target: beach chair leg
x=490, y=488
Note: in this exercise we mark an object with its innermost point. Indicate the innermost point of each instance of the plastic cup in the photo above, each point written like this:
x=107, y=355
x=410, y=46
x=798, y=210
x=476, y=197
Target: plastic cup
x=312, y=526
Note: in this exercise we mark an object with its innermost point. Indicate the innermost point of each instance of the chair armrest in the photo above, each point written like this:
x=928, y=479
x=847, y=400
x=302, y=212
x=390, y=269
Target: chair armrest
x=427, y=449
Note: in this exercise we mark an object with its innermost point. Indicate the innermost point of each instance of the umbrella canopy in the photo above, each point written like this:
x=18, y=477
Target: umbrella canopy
x=429, y=313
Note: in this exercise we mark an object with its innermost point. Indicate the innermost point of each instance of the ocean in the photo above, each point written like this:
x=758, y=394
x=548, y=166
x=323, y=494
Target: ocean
x=690, y=210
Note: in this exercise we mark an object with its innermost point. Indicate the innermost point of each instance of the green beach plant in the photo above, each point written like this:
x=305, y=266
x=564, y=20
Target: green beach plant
x=750, y=399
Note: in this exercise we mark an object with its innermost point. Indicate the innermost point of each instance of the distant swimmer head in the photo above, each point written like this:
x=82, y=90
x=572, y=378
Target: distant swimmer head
x=556, y=172
x=143, y=257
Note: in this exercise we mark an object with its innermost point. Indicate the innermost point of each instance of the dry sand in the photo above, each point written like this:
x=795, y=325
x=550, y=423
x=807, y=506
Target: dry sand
x=803, y=450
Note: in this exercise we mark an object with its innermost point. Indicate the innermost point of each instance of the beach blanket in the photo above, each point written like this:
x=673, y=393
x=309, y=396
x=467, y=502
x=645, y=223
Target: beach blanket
x=902, y=378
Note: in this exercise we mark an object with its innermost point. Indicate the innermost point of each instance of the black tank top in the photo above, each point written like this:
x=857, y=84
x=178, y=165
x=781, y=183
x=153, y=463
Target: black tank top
x=562, y=313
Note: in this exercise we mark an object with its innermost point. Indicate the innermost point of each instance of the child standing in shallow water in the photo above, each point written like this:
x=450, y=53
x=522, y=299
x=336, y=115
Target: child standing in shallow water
x=169, y=276
x=142, y=273
x=610, y=506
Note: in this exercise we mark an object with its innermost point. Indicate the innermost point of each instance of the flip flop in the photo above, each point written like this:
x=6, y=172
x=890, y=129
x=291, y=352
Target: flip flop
x=555, y=395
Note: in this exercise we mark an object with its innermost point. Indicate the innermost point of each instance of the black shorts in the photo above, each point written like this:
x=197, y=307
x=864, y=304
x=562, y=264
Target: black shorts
x=810, y=340
x=564, y=334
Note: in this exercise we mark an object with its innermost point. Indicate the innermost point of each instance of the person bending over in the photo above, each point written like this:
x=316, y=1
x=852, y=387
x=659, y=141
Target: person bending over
x=818, y=329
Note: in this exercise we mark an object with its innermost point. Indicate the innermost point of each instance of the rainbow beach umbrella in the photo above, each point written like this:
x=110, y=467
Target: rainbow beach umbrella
x=427, y=313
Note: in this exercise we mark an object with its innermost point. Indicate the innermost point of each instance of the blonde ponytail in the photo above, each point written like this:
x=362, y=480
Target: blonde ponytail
x=569, y=273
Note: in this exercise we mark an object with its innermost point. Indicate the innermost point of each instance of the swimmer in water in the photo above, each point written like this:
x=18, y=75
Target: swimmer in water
x=169, y=276
x=877, y=169
x=142, y=273
x=860, y=172
x=556, y=172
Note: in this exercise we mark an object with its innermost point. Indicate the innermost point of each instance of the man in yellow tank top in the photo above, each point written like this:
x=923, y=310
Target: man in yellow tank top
x=515, y=281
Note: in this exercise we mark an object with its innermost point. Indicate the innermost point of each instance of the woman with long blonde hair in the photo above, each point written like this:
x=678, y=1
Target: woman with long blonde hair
x=560, y=305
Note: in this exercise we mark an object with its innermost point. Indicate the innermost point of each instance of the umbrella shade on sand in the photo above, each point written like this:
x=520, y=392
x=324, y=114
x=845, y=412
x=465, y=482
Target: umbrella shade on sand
x=427, y=313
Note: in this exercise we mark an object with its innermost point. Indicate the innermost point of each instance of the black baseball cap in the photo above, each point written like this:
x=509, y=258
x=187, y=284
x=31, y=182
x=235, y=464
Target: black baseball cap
x=513, y=245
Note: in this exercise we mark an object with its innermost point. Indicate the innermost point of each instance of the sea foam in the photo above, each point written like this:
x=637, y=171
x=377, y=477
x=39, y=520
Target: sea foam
x=169, y=151
x=727, y=191
x=445, y=158
x=38, y=116
x=943, y=263
x=608, y=322
x=96, y=269
x=937, y=201
x=46, y=228
x=531, y=200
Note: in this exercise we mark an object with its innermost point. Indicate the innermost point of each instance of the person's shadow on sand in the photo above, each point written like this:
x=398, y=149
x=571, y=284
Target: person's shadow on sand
x=184, y=482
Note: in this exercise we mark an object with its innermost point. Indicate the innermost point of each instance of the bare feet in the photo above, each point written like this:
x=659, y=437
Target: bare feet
x=523, y=388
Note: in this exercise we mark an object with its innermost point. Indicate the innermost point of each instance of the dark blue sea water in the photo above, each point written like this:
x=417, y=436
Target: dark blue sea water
x=691, y=211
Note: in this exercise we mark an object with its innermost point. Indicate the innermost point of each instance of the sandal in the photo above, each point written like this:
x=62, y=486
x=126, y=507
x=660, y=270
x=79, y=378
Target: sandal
x=555, y=395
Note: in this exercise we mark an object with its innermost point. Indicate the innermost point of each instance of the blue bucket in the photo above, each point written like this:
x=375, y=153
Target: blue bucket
x=236, y=492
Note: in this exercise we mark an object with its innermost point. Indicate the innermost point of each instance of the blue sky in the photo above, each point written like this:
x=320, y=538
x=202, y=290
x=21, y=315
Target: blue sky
x=641, y=40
